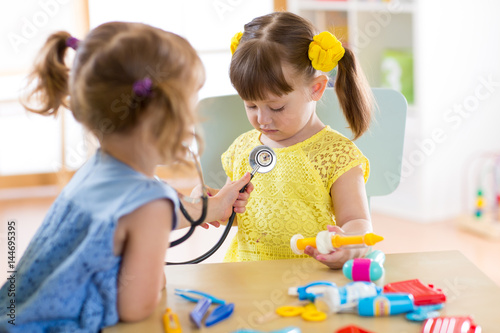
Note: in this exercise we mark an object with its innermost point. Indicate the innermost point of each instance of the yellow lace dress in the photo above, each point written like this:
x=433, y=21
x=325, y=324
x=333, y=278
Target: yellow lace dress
x=293, y=198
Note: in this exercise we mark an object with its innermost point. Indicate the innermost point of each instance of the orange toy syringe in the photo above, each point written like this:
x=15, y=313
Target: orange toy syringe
x=327, y=241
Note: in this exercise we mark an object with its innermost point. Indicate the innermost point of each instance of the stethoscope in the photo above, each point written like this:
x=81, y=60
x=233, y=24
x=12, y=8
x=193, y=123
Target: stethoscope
x=262, y=159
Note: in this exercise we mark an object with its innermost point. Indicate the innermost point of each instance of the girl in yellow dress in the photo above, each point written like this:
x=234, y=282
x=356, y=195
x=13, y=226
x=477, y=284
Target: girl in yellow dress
x=279, y=68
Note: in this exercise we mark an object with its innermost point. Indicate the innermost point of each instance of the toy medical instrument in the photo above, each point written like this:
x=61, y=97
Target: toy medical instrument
x=346, y=298
x=455, y=324
x=289, y=329
x=369, y=268
x=203, y=302
x=387, y=304
x=328, y=241
x=422, y=294
x=328, y=298
x=424, y=312
x=262, y=159
x=308, y=312
x=364, y=298
x=171, y=322
x=352, y=329
x=311, y=290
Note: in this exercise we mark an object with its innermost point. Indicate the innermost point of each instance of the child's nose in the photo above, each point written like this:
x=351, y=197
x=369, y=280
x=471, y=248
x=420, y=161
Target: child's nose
x=263, y=117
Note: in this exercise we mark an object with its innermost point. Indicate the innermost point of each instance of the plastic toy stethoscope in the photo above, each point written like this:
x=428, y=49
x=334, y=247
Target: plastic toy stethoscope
x=262, y=159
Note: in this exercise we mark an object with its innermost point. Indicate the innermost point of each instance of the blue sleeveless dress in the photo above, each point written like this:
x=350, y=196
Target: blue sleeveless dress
x=66, y=281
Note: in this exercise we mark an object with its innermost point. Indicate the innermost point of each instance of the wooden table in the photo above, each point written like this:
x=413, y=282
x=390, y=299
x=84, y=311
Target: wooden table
x=257, y=288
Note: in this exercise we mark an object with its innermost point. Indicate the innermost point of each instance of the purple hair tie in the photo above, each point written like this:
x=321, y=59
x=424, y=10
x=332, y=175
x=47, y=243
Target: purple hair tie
x=143, y=88
x=72, y=42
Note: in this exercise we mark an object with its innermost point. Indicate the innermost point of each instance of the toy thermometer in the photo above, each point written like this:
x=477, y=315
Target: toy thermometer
x=328, y=241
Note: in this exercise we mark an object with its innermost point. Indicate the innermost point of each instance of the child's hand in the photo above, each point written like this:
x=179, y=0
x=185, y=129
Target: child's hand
x=230, y=196
x=221, y=204
x=197, y=192
x=335, y=259
x=242, y=199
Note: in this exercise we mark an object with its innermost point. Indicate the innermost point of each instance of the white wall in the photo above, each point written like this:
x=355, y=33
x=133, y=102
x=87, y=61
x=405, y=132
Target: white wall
x=470, y=83
x=207, y=25
x=458, y=68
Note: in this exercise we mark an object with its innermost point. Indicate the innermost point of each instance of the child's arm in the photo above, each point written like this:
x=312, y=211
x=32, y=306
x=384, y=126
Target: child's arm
x=351, y=213
x=145, y=234
x=221, y=202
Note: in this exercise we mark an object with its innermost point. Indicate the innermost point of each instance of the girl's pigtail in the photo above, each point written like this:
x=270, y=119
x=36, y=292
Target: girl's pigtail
x=172, y=128
x=354, y=94
x=47, y=85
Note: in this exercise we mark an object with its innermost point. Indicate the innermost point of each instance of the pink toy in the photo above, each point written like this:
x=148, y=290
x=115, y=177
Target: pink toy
x=367, y=269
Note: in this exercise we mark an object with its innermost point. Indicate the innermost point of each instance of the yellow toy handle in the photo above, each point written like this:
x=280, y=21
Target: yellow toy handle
x=326, y=241
x=368, y=239
x=302, y=243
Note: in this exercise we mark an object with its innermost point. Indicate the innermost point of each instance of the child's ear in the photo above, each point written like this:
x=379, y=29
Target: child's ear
x=318, y=87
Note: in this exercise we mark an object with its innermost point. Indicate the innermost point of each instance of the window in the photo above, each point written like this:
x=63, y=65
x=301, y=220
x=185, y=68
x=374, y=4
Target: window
x=32, y=144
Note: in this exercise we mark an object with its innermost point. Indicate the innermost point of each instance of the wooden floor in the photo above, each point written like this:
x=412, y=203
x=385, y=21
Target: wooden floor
x=400, y=236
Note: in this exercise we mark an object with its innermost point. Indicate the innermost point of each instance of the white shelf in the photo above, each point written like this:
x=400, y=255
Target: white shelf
x=385, y=7
x=370, y=28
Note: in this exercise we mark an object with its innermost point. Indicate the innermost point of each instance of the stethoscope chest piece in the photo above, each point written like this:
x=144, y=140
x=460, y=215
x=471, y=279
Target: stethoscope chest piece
x=262, y=159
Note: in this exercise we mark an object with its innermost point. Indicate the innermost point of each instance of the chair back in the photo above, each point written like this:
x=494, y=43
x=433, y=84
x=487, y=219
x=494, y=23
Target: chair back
x=225, y=119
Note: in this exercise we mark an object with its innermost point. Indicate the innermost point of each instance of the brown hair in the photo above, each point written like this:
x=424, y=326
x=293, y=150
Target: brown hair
x=107, y=63
x=271, y=41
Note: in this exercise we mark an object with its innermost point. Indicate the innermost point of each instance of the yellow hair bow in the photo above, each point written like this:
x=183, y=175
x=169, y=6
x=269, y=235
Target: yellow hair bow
x=235, y=41
x=325, y=51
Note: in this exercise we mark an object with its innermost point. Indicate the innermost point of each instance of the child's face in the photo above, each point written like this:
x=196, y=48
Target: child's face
x=281, y=119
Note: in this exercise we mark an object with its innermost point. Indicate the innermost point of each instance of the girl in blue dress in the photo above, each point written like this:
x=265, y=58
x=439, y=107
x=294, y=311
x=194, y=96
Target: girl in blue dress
x=98, y=256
